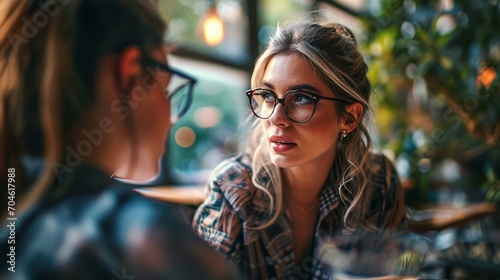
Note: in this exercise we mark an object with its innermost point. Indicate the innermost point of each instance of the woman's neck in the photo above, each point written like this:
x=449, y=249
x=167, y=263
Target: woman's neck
x=305, y=183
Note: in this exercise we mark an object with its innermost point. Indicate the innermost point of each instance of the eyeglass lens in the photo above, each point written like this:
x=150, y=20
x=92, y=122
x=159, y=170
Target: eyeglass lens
x=178, y=90
x=299, y=106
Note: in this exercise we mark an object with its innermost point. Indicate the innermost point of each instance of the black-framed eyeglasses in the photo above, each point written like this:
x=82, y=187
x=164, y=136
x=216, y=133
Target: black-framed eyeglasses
x=299, y=105
x=179, y=89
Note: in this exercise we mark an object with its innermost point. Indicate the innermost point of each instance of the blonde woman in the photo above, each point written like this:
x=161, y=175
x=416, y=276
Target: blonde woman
x=87, y=93
x=307, y=171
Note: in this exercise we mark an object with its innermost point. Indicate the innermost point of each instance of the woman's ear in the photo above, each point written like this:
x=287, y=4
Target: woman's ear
x=355, y=111
x=129, y=68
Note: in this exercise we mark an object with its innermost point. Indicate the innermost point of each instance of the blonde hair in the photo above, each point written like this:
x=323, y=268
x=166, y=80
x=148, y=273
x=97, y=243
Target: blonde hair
x=332, y=50
x=49, y=53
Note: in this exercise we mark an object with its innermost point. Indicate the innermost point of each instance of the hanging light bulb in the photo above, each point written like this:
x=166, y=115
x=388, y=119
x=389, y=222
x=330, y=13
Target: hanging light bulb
x=212, y=27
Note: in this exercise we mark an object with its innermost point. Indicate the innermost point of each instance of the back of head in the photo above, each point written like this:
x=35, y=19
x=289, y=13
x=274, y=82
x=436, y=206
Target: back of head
x=50, y=51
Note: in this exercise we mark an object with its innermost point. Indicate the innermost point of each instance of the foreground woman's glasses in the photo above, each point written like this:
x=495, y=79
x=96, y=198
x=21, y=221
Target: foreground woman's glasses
x=179, y=89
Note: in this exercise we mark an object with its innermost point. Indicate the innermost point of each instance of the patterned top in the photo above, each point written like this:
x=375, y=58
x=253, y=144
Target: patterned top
x=234, y=207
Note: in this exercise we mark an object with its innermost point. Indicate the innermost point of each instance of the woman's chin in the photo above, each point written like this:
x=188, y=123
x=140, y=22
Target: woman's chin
x=142, y=172
x=140, y=177
x=280, y=161
x=148, y=176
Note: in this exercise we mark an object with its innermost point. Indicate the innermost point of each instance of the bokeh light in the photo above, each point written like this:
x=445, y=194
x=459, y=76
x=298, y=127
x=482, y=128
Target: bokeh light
x=207, y=117
x=185, y=137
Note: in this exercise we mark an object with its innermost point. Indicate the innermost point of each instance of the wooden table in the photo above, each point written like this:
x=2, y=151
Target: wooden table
x=430, y=218
x=188, y=195
x=443, y=217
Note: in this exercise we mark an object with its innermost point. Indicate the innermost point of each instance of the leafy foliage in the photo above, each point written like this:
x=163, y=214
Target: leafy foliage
x=435, y=68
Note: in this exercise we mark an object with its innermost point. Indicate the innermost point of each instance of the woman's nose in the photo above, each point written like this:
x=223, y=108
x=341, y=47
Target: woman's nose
x=278, y=117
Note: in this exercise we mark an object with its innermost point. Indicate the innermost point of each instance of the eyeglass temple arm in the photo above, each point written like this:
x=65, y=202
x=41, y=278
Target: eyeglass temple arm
x=148, y=61
x=191, y=79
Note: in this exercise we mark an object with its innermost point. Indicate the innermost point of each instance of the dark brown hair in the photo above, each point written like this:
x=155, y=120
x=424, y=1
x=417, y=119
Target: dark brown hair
x=49, y=53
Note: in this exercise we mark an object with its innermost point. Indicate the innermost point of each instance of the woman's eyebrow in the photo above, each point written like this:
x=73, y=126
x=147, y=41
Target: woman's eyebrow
x=267, y=85
x=307, y=87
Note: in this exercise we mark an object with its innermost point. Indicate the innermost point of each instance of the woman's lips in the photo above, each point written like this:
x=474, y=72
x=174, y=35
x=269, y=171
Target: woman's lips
x=281, y=144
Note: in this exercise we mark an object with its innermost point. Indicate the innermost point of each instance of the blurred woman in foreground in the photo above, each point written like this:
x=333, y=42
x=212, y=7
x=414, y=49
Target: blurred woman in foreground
x=86, y=91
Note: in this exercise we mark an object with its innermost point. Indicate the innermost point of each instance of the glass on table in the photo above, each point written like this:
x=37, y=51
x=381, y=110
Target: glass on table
x=380, y=255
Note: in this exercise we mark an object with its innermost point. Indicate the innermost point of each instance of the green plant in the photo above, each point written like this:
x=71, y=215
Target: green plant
x=435, y=69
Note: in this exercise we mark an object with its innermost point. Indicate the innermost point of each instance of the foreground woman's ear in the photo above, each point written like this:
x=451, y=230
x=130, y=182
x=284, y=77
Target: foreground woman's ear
x=129, y=68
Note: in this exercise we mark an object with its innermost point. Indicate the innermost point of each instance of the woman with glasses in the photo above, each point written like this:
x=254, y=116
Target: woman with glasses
x=87, y=95
x=307, y=171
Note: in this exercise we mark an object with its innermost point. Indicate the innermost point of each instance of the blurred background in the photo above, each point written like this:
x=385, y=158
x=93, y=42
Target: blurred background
x=433, y=65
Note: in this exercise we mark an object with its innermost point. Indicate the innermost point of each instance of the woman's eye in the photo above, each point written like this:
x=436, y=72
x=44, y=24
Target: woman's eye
x=267, y=96
x=302, y=99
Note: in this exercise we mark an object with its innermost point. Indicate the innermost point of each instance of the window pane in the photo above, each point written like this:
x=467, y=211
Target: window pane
x=188, y=17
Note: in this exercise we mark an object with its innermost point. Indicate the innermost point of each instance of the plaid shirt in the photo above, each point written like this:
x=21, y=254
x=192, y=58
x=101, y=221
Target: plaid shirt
x=233, y=206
